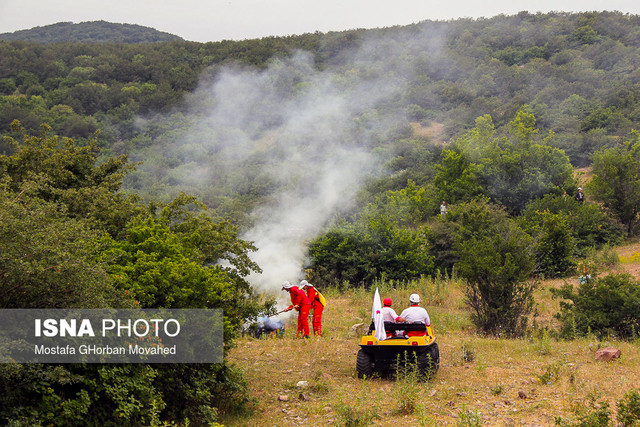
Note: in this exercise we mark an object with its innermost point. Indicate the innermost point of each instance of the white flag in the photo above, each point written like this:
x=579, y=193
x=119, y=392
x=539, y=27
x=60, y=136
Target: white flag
x=376, y=313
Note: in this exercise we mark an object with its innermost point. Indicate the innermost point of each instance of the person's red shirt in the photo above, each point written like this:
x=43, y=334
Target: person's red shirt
x=298, y=297
x=311, y=294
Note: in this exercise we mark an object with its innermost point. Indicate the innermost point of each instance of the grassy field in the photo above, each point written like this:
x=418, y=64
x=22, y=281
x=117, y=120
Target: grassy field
x=481, y=381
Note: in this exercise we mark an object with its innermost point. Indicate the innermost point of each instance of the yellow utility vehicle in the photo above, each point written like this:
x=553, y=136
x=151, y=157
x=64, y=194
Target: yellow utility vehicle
x=383, y=356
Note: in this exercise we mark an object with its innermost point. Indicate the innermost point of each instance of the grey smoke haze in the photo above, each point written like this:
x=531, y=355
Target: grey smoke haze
x=308, y=133
x=300, y=124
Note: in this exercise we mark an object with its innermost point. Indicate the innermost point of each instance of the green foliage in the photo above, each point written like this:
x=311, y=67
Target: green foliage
x=359, y=410
x=360, y=253
x=162, y=268
x=588, y=223
x=518, y=167
x=550, y=373
x=52, y=255
x=48, y=260
x=457, y=178
x=114, y=395
x=603, y=306
x=616, y=181
x=592, y=414
x=407, y=385
x=469, y=418
x=90, y=32
x=554, y=245
x=62, y=172
x=495, y=258
x=629, y=409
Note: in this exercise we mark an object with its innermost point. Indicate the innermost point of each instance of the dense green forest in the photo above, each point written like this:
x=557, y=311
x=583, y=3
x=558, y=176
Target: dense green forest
x=90, y=32
x=125, y=164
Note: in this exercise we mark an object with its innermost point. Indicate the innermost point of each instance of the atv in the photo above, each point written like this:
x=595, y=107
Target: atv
x=383, y=357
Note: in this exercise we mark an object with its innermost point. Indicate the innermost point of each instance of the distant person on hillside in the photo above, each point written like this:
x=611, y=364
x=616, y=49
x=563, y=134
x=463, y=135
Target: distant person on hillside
x=580, y=195
x=316, y=304
x=415, y=314
x=301, y=303
x=443, y=209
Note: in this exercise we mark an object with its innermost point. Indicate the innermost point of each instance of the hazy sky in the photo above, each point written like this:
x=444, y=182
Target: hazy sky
x=213, y=20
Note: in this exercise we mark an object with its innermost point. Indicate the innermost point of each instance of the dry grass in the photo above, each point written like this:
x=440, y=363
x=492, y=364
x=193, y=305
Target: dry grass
x=493, y=381
x=433, y=132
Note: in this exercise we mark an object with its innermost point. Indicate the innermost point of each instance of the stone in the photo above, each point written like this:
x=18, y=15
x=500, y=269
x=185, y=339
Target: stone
x=304, y=397
x=357, y=329
x=607, y=354
x=283, y=398
x=302, y=384
x=522, y=394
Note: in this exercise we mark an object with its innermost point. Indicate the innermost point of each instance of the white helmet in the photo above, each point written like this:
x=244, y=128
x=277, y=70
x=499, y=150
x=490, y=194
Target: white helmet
x=305, y=283
x=414, y=299
x=287, y=285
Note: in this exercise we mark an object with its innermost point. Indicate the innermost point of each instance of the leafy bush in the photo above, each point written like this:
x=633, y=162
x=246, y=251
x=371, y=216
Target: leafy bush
x=114, y=395
x=603, y=306
x=554, y=246
x=361, y=254
x=588, y=223
x=55, y=203
x=495, y=258
x=629, y=409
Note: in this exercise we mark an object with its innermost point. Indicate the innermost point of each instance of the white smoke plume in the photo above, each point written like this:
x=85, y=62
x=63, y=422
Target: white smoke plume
x=306, y=132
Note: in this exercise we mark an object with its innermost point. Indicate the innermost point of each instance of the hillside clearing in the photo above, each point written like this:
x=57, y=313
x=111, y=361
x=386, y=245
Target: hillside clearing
x=524, y=382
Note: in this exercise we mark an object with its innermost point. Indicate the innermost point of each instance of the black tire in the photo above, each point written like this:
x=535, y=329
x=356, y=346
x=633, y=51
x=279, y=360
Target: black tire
x=429, y=361
x=364, y=365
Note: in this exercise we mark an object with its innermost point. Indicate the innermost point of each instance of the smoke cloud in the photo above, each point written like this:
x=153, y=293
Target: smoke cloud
x=306, y=132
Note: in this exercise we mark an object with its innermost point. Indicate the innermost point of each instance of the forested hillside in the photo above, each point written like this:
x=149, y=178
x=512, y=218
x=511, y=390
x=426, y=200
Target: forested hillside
x=90, y=32
x=186, y=174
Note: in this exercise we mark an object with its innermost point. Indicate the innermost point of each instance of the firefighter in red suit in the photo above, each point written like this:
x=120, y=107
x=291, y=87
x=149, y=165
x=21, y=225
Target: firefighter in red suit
x=301, y=303
x=316, y=305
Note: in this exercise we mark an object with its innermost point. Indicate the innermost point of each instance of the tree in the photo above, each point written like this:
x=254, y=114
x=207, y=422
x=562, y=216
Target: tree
x=554, y=246
x=616, y=181
x=364, y=252
x=519, y=167
x=60, y=171
x=589, y=224
x=607, y=305
x=495, y=257
x=457, y=178
x=55, y=253
x=48, y=260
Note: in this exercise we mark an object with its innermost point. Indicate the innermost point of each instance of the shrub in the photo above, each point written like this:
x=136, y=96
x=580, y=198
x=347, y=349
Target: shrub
x=588, y=223
x=495, y=259
x=360, y=254
x=133, y=394
x=554, y=246
x=603, y=306
x=629, y=409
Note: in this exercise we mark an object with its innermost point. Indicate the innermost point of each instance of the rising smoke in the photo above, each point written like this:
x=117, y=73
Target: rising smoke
x=306, y=132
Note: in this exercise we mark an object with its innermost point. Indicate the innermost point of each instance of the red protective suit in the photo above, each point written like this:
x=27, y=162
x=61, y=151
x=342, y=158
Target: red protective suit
x=317, y=310
x=301, y=303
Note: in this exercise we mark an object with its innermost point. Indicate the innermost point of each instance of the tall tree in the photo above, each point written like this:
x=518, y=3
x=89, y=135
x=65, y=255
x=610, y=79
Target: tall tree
x=495, y=257
x=616, y=181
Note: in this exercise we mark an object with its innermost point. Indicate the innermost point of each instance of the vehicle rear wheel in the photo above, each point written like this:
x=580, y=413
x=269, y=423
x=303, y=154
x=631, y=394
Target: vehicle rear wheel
x=364, y=365
x=428, y=361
